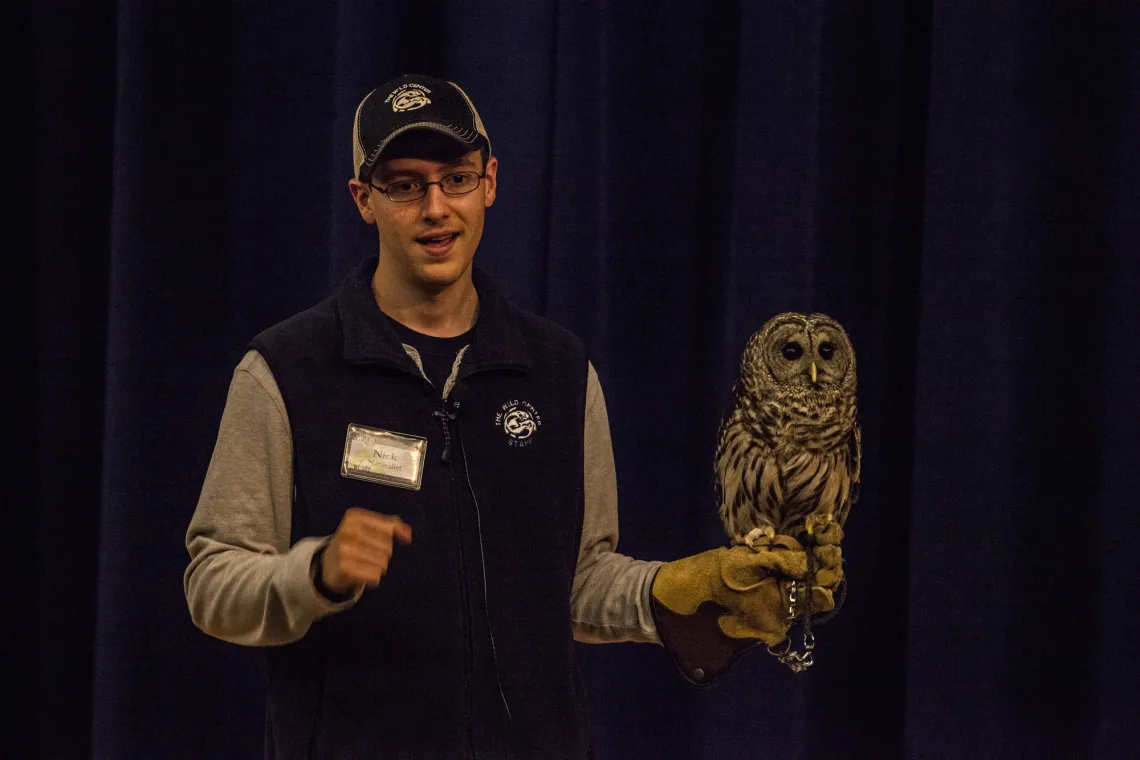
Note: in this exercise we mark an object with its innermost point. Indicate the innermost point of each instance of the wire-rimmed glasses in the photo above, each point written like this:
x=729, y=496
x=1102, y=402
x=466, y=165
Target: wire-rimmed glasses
x=408, y=190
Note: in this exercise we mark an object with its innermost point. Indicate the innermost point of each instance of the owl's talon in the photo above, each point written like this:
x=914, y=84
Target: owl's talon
x=759, y=538
x=818, y=523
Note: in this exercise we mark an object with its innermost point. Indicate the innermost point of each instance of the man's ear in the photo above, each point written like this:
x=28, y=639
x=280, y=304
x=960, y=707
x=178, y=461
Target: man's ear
x=360, y=195
x=491, y=181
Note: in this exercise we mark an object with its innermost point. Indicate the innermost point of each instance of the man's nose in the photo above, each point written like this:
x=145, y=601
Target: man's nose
x=435, y=203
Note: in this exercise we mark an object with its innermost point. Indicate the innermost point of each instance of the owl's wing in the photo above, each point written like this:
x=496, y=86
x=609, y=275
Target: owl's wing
x=746, y=476
x=722, y=445
x=854, y=470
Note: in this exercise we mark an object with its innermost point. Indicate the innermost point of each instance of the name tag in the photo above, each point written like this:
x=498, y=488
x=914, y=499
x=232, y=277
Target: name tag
x=381, y=456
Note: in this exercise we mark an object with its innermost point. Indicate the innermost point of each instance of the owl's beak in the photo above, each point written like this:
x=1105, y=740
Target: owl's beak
x=813, y=373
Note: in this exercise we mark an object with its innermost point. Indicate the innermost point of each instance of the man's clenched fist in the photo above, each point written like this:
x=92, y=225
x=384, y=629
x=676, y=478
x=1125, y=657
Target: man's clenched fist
x=359, y=551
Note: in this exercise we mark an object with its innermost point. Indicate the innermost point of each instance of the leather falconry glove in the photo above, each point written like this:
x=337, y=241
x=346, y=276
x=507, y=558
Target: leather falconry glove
x=712, y=607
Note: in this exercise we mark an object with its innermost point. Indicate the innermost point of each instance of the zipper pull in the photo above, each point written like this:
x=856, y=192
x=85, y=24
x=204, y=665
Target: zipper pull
x=443, y=417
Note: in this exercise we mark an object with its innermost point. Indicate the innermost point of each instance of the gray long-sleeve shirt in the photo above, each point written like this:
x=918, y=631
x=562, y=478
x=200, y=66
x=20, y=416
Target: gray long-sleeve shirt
x=246, y=584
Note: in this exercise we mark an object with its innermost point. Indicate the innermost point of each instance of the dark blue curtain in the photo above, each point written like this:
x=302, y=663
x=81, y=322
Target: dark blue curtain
x=955, y=182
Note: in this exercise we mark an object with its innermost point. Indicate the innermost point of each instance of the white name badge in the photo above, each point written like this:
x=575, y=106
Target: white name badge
x=381, y=456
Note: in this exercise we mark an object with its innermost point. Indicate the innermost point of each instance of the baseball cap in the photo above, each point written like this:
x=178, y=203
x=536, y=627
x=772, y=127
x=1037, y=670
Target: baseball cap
x=412, y=101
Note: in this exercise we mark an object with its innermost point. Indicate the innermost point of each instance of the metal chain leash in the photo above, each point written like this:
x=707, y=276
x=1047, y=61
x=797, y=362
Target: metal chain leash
x=799, y=661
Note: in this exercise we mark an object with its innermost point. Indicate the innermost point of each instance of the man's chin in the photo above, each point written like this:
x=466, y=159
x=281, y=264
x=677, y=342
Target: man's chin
x=441, y=275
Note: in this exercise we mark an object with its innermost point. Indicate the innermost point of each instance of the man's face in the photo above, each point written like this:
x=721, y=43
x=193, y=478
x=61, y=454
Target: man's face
x=428, y=243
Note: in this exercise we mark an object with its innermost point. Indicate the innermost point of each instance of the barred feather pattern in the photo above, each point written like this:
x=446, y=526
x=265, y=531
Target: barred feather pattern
x=785, y=449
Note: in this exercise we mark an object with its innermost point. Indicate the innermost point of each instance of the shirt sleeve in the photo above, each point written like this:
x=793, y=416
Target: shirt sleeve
x=245, y=583
x=609, y=601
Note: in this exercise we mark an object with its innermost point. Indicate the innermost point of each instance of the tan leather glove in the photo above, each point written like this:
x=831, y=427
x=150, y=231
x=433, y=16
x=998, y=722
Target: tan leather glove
x=713, y=606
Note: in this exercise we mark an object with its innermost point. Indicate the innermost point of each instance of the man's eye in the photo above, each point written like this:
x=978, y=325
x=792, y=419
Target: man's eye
x=462, y=179
x=407, y=186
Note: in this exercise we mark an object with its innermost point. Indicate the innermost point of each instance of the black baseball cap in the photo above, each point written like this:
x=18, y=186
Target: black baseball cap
x=413, y=101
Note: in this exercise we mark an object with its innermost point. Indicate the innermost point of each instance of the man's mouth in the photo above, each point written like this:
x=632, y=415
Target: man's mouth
x=437, y=242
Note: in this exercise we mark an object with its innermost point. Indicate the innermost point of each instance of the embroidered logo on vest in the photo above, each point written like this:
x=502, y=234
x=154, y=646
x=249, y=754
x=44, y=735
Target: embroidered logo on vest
x=408, y=97
x=520, y=421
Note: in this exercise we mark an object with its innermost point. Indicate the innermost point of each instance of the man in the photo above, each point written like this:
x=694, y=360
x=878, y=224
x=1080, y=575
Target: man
x=412, y=498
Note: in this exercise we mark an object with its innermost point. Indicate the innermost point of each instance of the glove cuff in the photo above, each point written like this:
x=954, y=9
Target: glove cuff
x=698, y=647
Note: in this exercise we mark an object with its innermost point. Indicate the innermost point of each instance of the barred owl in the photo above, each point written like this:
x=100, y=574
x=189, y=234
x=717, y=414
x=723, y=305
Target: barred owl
x=788, y=452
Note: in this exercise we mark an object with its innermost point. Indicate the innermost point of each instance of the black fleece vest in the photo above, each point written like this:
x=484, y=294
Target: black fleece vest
x=481, y=598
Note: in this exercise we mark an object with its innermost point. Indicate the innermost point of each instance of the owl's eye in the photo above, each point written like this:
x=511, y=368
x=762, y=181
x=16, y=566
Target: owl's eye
x=793, y=350
x=827, y=350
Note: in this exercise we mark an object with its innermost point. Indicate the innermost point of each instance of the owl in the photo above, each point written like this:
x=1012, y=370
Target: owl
x=788, y=450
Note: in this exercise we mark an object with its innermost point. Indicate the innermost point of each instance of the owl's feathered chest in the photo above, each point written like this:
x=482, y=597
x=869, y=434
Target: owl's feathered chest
x=780, y=459
x=817, y=423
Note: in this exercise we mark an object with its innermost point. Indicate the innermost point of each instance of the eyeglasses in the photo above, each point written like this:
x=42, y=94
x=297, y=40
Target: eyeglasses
x=408, y=190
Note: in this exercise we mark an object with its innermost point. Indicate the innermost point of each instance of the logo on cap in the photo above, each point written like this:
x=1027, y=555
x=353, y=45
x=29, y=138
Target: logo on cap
x=408, y=97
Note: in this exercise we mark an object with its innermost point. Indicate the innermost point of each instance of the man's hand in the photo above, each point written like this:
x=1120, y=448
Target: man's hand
x=359, y=551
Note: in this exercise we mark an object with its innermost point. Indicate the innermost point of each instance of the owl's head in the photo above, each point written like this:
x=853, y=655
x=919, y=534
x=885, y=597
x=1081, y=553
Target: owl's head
x=799, y=353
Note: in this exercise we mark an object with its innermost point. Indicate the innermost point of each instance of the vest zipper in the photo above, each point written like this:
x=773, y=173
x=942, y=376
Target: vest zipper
x=445, y=417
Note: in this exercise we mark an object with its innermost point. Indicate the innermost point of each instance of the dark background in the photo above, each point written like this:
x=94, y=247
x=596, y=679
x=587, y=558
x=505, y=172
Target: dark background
x=955, y=182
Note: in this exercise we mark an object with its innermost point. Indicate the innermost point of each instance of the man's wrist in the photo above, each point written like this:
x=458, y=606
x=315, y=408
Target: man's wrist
x=316, y=570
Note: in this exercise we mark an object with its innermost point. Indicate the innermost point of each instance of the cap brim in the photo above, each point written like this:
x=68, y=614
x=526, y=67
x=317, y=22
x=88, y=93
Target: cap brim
x=468, y=139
